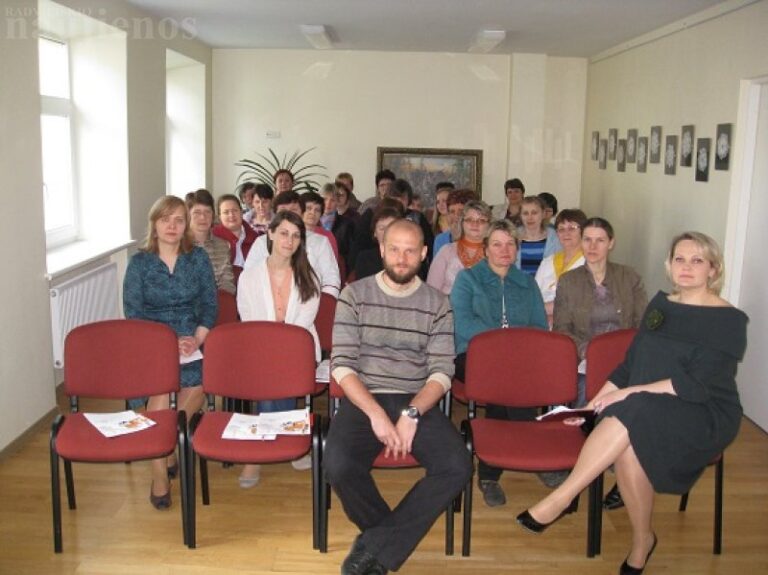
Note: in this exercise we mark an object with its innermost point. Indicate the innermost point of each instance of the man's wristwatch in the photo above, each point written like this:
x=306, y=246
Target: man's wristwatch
x=412, y=412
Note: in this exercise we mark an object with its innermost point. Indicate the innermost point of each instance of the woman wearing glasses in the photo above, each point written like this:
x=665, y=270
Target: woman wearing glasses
x=465, y=252
x=568, y=226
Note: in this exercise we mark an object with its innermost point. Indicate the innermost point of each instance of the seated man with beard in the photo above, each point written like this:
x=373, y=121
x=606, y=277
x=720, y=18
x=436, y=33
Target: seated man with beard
x=393, y=357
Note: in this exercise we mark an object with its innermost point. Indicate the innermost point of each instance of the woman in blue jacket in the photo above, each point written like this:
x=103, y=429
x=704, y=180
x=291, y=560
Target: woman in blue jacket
x=495, y=294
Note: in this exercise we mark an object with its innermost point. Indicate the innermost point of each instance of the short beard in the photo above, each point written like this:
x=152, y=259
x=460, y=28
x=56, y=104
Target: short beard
x=401, y=279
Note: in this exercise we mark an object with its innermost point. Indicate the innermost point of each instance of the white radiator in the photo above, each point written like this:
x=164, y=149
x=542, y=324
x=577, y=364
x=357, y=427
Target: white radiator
x=86, y=298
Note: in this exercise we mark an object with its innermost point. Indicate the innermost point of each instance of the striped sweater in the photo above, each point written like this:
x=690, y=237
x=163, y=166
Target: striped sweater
x=394, y=341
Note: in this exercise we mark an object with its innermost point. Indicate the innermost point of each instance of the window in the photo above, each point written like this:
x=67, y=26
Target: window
x=55, y=124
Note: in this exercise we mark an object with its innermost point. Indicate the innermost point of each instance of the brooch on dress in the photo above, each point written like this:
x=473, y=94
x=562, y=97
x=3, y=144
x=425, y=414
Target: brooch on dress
x=654, y=319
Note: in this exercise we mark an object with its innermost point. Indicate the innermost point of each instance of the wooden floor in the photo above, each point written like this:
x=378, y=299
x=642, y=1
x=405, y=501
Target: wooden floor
x=267, y=529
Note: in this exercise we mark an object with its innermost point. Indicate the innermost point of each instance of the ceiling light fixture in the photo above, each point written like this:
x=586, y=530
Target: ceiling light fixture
x=317, y=35
x=487, y=40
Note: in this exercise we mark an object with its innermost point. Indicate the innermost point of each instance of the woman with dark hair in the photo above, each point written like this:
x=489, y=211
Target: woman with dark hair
x=200, y=206
x=282, y=288
x=170, y=280
x=671, y=407
x=235, y=231
x=261, y=209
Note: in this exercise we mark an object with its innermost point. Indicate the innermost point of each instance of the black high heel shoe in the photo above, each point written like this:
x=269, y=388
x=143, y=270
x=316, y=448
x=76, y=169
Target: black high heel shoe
x=627, y=569
x=613, y=499
x=160, y=502
x=173, y=471
x=526, y=520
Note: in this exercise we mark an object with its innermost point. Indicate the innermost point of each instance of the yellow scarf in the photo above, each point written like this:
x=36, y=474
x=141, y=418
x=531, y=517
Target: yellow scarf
x=560, y=264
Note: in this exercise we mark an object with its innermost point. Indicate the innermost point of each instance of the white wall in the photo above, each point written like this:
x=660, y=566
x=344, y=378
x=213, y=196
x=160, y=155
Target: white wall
x=26, y=365
x=690, y=77
x=185, y=124
x=349, y=103
x=26, y=372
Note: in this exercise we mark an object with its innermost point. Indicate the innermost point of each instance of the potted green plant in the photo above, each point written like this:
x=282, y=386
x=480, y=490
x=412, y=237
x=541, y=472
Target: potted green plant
x=264, y=167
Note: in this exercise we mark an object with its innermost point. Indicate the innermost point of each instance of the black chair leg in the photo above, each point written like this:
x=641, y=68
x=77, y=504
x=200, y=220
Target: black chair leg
x=191, y=500
x=56, y=501
x=183, y=474
x=204, y=481
x=467, y=527
x=449, y=528
x=717, y=545
x=70, y=484
x=317, y=471
x=683, y=502
x=595, y=516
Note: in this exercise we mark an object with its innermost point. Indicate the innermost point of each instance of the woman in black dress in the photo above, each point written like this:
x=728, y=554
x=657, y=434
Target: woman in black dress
x=671, y=406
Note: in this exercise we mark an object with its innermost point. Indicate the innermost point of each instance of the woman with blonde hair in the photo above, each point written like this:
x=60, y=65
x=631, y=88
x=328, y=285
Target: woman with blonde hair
x=671, y=407
x=171, y=281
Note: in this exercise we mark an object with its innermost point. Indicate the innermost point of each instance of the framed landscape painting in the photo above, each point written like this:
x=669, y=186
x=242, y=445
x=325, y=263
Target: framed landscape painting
x=426, y=167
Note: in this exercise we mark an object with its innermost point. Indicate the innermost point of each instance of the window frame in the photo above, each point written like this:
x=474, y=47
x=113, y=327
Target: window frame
x=60, y=106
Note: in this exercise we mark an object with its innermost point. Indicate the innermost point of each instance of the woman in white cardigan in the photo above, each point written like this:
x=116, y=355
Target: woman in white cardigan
x=282, y=288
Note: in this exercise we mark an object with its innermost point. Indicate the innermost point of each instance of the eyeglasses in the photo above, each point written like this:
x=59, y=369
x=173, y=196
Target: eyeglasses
x=570, y=228
x=474, y=221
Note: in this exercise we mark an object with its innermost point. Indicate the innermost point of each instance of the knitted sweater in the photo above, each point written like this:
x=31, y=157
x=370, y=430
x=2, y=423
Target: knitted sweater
x=394, y=341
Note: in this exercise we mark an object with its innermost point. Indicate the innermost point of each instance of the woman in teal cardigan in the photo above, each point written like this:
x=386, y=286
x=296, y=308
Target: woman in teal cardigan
x=495, y=294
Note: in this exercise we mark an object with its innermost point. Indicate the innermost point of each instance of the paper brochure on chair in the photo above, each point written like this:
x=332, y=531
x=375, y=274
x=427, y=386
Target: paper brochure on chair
x=267, y=426
x=562, y=412
x=120, y=423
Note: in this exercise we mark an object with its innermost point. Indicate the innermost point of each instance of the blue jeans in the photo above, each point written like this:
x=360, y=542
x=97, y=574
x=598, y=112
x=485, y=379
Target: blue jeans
x=270, y=405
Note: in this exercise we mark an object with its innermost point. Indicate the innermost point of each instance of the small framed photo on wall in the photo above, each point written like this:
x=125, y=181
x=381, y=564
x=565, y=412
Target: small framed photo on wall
x=642, y=154
x=670, y=156
x=723, y=146
x=702, y=159
x=654, y=145
x=602, y=153
x=594, y=145
x=631, y=146
x=621, y=155
x=613, y=135
x=686, y=147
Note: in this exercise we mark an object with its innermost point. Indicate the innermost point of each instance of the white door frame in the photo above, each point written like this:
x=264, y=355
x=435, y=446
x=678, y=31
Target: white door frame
x=743, y=144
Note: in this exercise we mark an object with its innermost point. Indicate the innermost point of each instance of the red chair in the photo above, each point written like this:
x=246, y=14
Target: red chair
x=116, y=359
x=336, y=393
x=286, y=369
x=604, y=353
x=521, y=367
x=227, y=310
x=326, y=313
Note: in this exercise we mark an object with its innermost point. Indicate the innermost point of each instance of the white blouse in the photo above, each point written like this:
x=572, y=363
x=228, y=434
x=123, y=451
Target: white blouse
x=255, y=302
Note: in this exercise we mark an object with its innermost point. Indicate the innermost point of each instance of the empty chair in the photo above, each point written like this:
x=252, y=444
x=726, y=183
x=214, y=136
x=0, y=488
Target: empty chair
x=116, y=359
x=286, y=370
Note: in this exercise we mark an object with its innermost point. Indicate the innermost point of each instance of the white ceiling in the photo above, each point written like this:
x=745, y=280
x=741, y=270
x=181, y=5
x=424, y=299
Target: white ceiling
x=580, y=28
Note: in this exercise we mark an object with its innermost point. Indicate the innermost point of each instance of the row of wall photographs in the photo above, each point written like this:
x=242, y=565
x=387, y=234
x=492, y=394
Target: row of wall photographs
x=641, y=150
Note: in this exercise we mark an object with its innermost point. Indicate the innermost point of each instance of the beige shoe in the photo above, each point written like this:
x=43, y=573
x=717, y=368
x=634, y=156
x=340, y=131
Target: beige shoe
x=303, y=463
x=250, y=476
